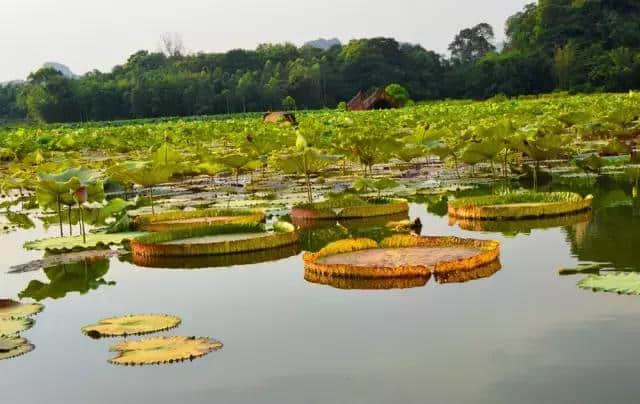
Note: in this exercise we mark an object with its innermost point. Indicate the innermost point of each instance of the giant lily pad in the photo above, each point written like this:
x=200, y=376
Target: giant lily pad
x=621, y=283
x=154, y=351
x=131, y=325
x=75, y=243
x=10, y=309
x=12, y=347
x=9, y=327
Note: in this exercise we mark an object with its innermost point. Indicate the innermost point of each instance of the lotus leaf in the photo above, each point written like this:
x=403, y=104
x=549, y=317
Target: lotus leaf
x=131, y=325
x=12, y=347
x=75, y=243
x=10, y=309
x=621, y=283
x=154, y=351
x=9, y=327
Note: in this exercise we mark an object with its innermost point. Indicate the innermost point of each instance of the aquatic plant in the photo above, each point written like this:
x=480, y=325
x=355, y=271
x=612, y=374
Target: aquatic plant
x=76, y=243
x=162, y=350
x=10, y=309
x=620, y=283
x=11, y=347
x=157, y=244
x=137, y=324
x=516, y=205
x=13, y=326
x=183, y=219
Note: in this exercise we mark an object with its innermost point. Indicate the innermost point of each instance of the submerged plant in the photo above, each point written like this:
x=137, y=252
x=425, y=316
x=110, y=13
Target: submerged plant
x=138, y=324
x=161, y=350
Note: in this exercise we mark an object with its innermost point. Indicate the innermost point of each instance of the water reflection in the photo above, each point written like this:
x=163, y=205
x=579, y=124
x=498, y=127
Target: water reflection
x=215, y=261
x=366, y=284
x=515, y=227
x=80, y=277
x=486, y=271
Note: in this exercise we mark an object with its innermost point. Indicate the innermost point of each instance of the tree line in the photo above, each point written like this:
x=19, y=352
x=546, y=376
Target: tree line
x=569, y=45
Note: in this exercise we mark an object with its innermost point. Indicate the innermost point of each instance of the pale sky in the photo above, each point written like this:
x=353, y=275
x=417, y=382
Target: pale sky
x=90, y=34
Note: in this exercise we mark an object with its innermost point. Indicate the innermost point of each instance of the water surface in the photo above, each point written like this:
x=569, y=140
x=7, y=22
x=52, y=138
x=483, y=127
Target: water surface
x=522, y=335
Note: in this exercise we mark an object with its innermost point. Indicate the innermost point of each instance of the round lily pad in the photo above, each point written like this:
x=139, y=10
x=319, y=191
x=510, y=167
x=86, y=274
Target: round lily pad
x=154, y=351
x=138, y=324
x=10, y=309
x=621, y=283
x=12, y=347
x=9, y=327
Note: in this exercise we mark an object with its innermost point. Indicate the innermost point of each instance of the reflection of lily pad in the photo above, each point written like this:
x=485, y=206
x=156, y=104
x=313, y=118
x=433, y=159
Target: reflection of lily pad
x=80, y=277
x=131, y=325
x=621, y=283
x=12, y=347
x=10, y=309
x=154, y=351
x=9, y=327
x=75, y=242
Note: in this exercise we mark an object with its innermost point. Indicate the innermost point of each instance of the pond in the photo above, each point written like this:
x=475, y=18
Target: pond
x=523, y=334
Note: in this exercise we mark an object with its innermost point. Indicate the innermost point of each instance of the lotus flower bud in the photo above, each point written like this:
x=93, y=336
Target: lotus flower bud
x=81, y=195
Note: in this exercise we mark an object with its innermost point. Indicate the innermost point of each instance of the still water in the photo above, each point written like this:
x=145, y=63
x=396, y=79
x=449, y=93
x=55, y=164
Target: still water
x=523, y=335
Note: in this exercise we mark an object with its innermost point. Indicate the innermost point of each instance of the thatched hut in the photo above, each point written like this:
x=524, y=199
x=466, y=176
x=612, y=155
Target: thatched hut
x=278, y=117
x=379, y=99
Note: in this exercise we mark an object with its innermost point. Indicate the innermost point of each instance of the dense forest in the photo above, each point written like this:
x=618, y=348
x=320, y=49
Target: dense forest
x=570, y=45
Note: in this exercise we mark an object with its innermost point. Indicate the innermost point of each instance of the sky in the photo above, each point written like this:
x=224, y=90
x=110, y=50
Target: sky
x=90, y=34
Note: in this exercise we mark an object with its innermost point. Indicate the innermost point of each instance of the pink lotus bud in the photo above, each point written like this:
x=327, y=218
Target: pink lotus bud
x=81, y=195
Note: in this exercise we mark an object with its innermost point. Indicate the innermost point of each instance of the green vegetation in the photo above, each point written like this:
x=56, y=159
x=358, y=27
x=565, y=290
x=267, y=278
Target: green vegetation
x=516, y=198
x=620, y=283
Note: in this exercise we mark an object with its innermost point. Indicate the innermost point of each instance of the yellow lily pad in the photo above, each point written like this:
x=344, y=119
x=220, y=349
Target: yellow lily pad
x=10, y=309
x=9, y=327
x=12, y=347
x=138, y=324
x=160, y=350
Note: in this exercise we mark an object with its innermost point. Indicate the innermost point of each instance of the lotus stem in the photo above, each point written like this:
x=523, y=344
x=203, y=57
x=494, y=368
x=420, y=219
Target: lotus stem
x=69, y=217
x=153, y=210
x=84, y=236
x=59, y=214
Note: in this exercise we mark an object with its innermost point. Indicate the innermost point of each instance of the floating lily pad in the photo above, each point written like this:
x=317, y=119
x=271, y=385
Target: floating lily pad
x=10, y=309
x=12, y=347
x=75, y=243
x=621, y=283
x=131, y=325
x=155, y=351
x=9, y=327
x=62, y=259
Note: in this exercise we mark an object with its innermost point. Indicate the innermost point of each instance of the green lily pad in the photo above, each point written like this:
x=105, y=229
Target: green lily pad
x=75, y=243
x=10, y=309
x=621, y=283
x=12, y=347
x=9, y=327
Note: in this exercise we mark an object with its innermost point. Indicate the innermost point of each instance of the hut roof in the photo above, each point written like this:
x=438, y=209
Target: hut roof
x=378, y=99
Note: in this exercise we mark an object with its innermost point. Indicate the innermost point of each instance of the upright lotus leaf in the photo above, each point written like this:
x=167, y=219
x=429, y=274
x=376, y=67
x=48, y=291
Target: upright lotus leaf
x=363, y=185
x=160, y=350
x=166, y=155
x=306, y=162
x=10, y=309
x=234, y=162
x=11, y=347
x=13, y=326
x=80, y=277
x=55, y=190
x=615, y=148
x=621, y=283
x=591, y=164
x=131, y=325
x=145, y=174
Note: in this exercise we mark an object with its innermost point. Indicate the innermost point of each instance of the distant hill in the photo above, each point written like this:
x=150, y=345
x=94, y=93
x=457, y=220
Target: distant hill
x=64, y=70
x=323, y=44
